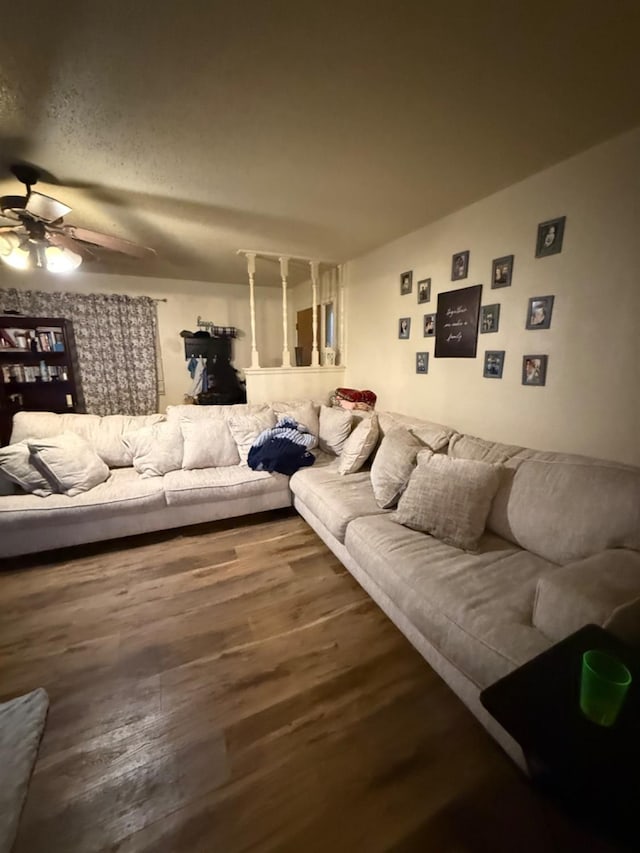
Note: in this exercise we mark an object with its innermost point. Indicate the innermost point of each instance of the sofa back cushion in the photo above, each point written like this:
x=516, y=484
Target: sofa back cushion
x=481, y=450
x=175, y=413
x=564, y=507
x=103, y=434
x=431, y=434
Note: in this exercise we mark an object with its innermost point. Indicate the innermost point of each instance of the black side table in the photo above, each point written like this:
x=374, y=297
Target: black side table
x=593, y=770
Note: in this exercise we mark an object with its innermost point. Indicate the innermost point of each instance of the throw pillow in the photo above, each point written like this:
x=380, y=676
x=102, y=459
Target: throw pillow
x=208, y=443
x=393, y=465
x=304, y=413
x=16, y=465
x=69, y=462
x=358, y=447
x=246, y=428
x=449, y=498
x=155, y=450
x=335, y=429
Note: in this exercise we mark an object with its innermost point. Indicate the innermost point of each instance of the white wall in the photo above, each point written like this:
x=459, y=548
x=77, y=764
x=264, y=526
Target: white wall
x=591, y=402
x=223, y=304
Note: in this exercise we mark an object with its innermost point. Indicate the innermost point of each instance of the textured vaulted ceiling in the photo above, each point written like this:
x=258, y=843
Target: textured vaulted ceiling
x=321, y=128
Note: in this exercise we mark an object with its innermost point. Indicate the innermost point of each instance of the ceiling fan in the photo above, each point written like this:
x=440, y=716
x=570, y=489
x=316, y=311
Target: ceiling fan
x=40, y=239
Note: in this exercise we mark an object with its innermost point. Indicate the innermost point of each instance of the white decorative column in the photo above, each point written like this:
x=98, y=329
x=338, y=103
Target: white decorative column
x=341, y=317
x=315, y=359
x=284, y=272
x=251, y=268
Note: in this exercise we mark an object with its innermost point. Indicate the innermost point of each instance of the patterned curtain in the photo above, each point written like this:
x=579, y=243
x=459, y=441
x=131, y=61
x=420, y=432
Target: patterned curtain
x=115, y=341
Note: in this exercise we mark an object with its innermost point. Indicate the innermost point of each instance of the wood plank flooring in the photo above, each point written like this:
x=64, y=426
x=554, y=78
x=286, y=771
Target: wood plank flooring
x=231, y=688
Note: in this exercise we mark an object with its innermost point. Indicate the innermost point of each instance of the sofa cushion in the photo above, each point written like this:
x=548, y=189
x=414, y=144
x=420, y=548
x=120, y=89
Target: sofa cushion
x=433, y=435
x=155, y=449
x=208, y=443
x=566, y=507
x=69, y=462
x=246, y=428
x=449, y=498
x=472, y=447
x=335, y=429
x=219, y=484
x=476, y=609
x=601, y=589
x=393, y=465
x=193, y=412
x=358, y=447
x=334, y=499
x=124, y=492
x=103, y=434
x=16, y=464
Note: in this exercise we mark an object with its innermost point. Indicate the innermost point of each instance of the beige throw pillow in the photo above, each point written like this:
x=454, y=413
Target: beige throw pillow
x=246, y=428
x=69, y=462
x=304, y=413
x=393, y=465
x=208, y=443
x=17, y=466
x=335, y=429
x=156, y=449
x=358, y=447
x=449, y=498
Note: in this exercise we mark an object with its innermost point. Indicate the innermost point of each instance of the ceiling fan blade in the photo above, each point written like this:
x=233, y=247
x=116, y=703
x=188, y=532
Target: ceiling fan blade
x=45, y=208
x=106, y=241
x=62, y=241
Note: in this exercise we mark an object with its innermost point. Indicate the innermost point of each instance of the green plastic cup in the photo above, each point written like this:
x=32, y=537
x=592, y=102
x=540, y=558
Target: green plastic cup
x=604, y=684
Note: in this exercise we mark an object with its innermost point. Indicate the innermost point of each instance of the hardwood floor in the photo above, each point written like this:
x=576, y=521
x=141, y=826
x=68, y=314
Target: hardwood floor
x=231, y=688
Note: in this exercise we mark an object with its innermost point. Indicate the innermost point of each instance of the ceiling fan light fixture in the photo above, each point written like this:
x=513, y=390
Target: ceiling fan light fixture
x=13, y=254
x=59, y=260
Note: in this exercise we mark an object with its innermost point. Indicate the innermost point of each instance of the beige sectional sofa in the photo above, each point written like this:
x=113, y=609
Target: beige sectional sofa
x=561, y=546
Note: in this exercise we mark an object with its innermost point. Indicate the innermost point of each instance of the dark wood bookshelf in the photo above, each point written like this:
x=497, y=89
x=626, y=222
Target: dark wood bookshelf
x=38, y=368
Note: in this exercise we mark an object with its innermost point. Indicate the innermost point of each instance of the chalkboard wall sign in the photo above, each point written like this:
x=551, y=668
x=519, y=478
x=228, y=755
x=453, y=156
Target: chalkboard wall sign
x=457, y=326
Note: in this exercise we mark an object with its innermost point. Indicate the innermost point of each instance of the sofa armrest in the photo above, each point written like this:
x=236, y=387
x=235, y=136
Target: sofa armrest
x=603, y=589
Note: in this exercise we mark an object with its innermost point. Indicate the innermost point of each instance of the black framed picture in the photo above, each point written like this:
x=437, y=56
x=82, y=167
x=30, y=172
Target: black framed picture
x=404, y=328
x=424, y=291
x=429, y=325
x=460, y=266
x=502, y=271
x=422, y=362
x=490, y=318
x=493, y=364
x=534, y=369
x=457, y=328
x=550, y=236
x=539, y=312
x=406, y=283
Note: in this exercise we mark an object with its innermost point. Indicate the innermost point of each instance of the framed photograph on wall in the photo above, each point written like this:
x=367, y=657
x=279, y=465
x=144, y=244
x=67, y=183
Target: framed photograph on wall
x=406, y=283
x=429, y=326
x=422, y=362
x=493, y=364
x=502, y=271
x=539, y=312
x=404, y=328
x=490, y=318
x=460, y=266
x=424, y=291
x=550, y=236
x=457, y=328
x=534, y=369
